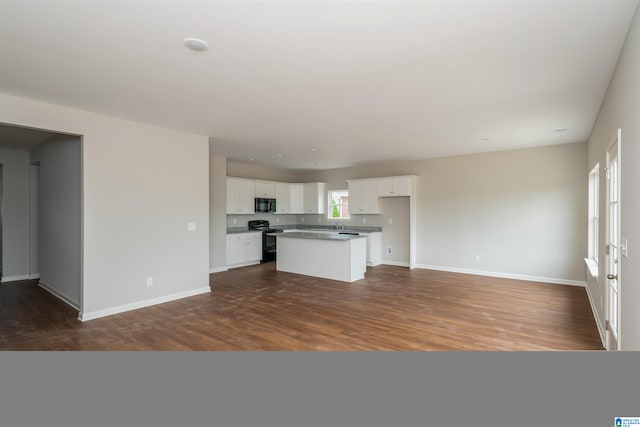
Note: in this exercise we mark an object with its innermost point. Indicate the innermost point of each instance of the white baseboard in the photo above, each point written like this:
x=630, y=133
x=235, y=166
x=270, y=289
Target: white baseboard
x=595, y=316
x=15, y=278
x=242, y=264
x=34, y=276
x=396, y=263
x=141, y=304
x=59, y=295
x=218, y=270
x=505, y=275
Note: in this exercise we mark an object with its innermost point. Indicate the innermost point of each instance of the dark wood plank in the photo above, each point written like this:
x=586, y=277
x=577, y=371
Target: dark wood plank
x=258, y=308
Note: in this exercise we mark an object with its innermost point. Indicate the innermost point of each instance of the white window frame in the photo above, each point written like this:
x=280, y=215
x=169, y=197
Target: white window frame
x=594, y=221
x=330, y=209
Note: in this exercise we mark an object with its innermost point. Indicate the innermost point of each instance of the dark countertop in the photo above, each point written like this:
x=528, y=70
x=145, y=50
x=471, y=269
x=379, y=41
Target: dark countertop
x=240, y=230
x=324, y=228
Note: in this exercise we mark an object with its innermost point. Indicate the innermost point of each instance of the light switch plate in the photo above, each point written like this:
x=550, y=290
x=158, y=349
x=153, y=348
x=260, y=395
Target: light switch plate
x=624, y=250
x=191, y=226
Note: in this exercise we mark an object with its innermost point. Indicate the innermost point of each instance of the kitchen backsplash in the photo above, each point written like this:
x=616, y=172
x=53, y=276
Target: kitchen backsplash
x=235, y=221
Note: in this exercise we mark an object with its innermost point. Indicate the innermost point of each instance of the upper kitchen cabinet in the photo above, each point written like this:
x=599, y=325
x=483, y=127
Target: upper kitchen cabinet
x=283, y=198
x=363, y=196
x=396, y=186
x=265, y=189
x=241, y=195
x=296, y=198
x=314, y=197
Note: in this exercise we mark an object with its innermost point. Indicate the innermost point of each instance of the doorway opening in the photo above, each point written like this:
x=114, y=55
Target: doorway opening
x=41, y=206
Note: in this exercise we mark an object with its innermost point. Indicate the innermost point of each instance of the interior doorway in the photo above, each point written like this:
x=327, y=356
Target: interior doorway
x=42, y=210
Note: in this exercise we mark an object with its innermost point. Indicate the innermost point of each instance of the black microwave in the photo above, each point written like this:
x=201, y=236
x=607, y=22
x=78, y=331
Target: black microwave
x=265, y=205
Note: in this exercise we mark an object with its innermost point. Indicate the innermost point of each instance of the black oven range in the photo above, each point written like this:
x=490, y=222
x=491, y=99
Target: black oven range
x=268, y=242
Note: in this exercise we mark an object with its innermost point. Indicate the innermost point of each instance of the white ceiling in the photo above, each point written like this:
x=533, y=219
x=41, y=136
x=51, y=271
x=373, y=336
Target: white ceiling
x=360, y=81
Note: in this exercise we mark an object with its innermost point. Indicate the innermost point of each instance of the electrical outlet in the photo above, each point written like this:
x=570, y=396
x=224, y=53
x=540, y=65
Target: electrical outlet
x=364, y=220
x=390, y=221
x=476, y=258
x=389, y=250
x=149, y=282
x=302, y=219
x=277, y=219
x=235, y=221
x=319, y=220
x=191, y=226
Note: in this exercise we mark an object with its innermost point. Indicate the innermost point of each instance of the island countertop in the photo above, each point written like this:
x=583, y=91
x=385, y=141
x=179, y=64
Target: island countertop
x=317, y=236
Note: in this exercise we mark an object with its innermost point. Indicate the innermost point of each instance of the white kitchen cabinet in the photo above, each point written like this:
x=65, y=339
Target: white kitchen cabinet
x=363, y=196
x=296, y=198
x=283, y=198
x=395, y=186
x=240, y=196
x=314, y=194
x=374, y=248
x=244, y=249
x=265, y=189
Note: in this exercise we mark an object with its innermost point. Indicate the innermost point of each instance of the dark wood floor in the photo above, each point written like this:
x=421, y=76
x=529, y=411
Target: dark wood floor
x=258, y=308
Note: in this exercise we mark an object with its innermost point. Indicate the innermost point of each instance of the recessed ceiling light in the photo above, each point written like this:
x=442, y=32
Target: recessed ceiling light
x=195, y=44
x=314, y=149
x=280, y=155
x=251, y=159
x=487, y=138
x=560, y=130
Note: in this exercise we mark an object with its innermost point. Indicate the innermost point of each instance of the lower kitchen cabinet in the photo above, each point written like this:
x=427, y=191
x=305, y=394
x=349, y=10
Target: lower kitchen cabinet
x=374, y=248
x=244, y=249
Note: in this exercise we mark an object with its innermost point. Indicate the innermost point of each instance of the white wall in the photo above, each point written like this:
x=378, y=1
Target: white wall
x=521, y=211
x=15, y=215
x=217, y=213
x=620, y=110
x=59, y=216
x=141, y=186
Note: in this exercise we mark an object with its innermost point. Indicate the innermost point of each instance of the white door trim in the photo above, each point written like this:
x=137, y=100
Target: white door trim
x=612, y=340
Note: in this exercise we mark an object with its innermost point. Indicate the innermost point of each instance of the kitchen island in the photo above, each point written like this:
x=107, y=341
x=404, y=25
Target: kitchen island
x=333, y=256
